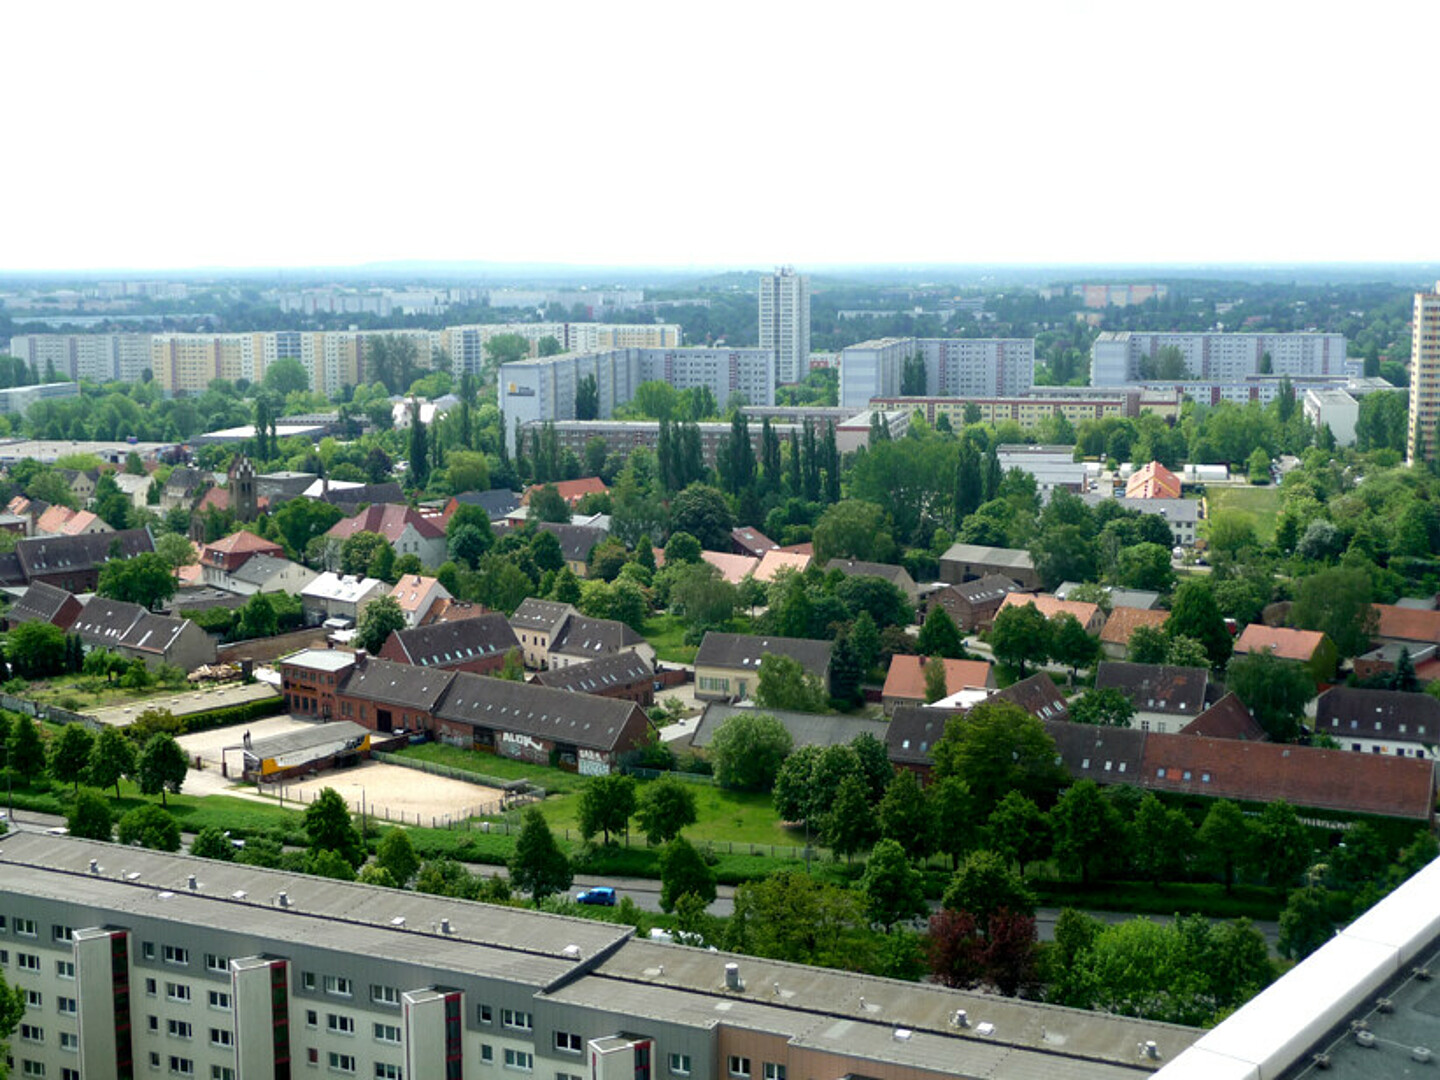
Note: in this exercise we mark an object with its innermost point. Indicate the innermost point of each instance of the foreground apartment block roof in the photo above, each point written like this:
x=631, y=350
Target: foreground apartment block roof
x=581, y=975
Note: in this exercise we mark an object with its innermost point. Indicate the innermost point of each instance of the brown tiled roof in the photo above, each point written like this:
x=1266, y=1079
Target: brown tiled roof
x=1039, y=696
x=1288, y=644
x=1407, y=624
x=733, y=568
x=1301, y=775
x=772, y=562
x=387, y=519
x=1153, y=481
x=1124, y=621
x=570, y=490
x=1156, y=688
x=1228, y=718
x=243, y=541
x=752, y=540
x=1049, y=606
x=906, y=677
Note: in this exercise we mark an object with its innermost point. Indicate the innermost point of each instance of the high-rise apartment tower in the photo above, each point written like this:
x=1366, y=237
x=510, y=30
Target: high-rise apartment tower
x=1421, y=441
x=785, y=322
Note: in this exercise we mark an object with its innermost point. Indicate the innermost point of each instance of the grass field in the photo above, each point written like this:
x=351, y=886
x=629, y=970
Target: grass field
x=493, y=765
x=1261, y=503
x=738, y=817
x=667, y=633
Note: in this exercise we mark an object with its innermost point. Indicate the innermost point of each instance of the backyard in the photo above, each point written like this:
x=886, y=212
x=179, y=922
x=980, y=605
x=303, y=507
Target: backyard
x=1261, y=503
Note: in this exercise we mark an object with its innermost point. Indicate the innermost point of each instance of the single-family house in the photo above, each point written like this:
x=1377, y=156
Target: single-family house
x=733, y=568
x=580, y=639
x=1090, y=616
x=417, y=595
x=62, y=521
x=409, y=531
x=1121, y=626
x=973, y=604
x=231, y=552
x=261, y=573
x=1165, y=697
x=535, y=622
x=775, y=560
x=576, y=543
x=131, y=631
x=895, y=575
x=1311, y=649
x=341, y=597
x=1152, y=481
x=497, y=503
x=752, y=542
x=727, y=666
x=905, y=679
x=1380, y=721
x=572, y=491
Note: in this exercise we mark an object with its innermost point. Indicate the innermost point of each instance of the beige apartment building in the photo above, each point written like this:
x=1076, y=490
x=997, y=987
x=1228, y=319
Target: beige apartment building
x=1424, y=377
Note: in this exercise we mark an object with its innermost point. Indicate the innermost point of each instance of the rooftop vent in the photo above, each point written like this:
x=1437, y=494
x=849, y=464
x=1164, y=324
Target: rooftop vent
x=903, y=1034
x=1151, y=1050
x=398, y=920
x=1365, y=1038
x=1384, y=1005
x=191, y=883
x=571, y=952
x=985, y=1027
x=282, y=899
x=1322, y=1061
x=445, y=927
x=961, y=1018
x=1423, y=974
x=1421, y=1054
x=239, y=894
x=732, y=977
x=94, y=866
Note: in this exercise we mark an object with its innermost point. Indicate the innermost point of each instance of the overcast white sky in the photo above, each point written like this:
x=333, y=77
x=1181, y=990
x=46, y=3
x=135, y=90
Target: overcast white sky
x=153, y=135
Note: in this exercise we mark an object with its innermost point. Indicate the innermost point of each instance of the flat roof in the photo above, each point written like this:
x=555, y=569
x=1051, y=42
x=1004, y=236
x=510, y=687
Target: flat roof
x=346, y=916
x=320, y=659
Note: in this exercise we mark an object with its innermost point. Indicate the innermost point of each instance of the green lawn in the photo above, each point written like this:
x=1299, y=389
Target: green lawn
x=725, y=817
x=493, y=765
x=667, y=633
x=1261, y=503
x=80, y=693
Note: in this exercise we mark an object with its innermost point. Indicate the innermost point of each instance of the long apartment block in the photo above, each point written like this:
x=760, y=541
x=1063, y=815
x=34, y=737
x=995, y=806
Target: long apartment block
x=138, y=963
x=1117, y=357
x=544, y=389
x=954, y=367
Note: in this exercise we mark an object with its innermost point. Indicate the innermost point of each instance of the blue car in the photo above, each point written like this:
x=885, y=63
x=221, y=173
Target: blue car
x=601, y=894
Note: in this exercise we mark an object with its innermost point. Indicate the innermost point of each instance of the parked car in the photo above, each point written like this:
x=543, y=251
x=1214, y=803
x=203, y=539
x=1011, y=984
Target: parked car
x=601, y=894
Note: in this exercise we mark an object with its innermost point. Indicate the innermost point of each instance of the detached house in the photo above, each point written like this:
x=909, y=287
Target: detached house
x=417, y=595
x=905, y=680
x=535, y=622
x=895, y=575
x=331, y=596
x=727, y=666
x=409, y=531
x=232, y=552
x=1310, y=649
x=131, y=631
x=1165, y=698
x=973, y=604
x=1089, y=616
x=581, y=639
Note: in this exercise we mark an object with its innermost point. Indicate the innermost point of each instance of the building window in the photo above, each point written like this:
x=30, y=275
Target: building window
x=71, y=1074
x=515, y=1019
x=177, y=1029
x=774, y=1071
x=221, y=1072
x=307, y=980
x=150, y=987
x=312, y=1018
x=34, y=999
x=739, y=1067
x=65, y=1006
x=65, y=969
x=343, y=1063
x=27, y=961
x=338, y=985
x=387, y=1033
x=61, y=933
x=219, y=964
x=519, y=1059
x=153, y=1023
x=177, y=992
x=220, y=1000
x=181, y=1066
x=32, y=1068
x=384, y=995
x=487, y=1054
x=484, y=1014
x=25, y=927
x=384, y=1071
x=69, y=1041
x=31, y=1033
x=679, y=1064
x=567, y=1042
x=173, y=954
x=339, y=1025
x=221, y=1037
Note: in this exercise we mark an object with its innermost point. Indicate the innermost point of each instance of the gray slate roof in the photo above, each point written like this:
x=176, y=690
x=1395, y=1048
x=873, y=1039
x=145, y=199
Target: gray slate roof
x=1378, y=714
x=447, y=644
x=576, y=541
x=397, y=684
x=593, y=638
x=527, y=709
x=41, y=601
x=596, y=676
x=105, y=622
x=745, y=651
x=806, y=729
x=58, y=554
x=540, y=615
x=1157, y=688
x=1015, y=558
x=497, y=502
x=992, y=588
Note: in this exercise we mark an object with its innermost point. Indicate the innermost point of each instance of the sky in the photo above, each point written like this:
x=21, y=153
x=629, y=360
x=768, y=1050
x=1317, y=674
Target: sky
x=165, y=136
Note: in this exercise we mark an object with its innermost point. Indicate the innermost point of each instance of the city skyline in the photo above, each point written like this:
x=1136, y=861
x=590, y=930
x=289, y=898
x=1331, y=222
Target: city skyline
x=1238, y=147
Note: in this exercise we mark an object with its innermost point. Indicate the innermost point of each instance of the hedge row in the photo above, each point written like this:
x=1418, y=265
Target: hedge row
x=233, y=714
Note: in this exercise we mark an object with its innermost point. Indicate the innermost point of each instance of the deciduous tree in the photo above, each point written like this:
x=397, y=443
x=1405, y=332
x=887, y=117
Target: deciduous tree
x=999, y=747
x=329, y=827
x=748, y=749
x=150, y=827
x=684, y=872
x=381, y=617
x=892, y=887
x=538, y=866
x=1019, y=636
x=112, y=757
x=606, y=805
x=70, y=755
x=90, y=817
x=663, y=808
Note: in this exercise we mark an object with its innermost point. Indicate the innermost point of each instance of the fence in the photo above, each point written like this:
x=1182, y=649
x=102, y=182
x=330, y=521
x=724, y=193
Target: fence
x=652, y=774
x=52, y=713
x=532, y=792
x=460, y=819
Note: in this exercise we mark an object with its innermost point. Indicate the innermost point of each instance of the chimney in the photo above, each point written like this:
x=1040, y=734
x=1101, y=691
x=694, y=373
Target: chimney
x=361, y=656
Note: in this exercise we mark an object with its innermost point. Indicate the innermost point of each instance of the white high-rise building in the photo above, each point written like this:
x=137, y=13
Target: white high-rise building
x=785, y=322
x=954, y=367
x=1421, y=442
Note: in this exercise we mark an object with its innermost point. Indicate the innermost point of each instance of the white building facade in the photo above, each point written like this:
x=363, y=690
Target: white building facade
x=785, y=322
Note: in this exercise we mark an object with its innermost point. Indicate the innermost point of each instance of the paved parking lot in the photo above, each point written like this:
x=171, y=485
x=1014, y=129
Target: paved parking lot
x=189, y=700
x=208, y=745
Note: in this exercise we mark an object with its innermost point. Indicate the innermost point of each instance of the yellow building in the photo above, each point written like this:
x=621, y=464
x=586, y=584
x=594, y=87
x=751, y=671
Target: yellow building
x=1421, y=438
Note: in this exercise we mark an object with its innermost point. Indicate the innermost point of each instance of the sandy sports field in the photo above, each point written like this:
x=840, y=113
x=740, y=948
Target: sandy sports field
x=395, y=793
